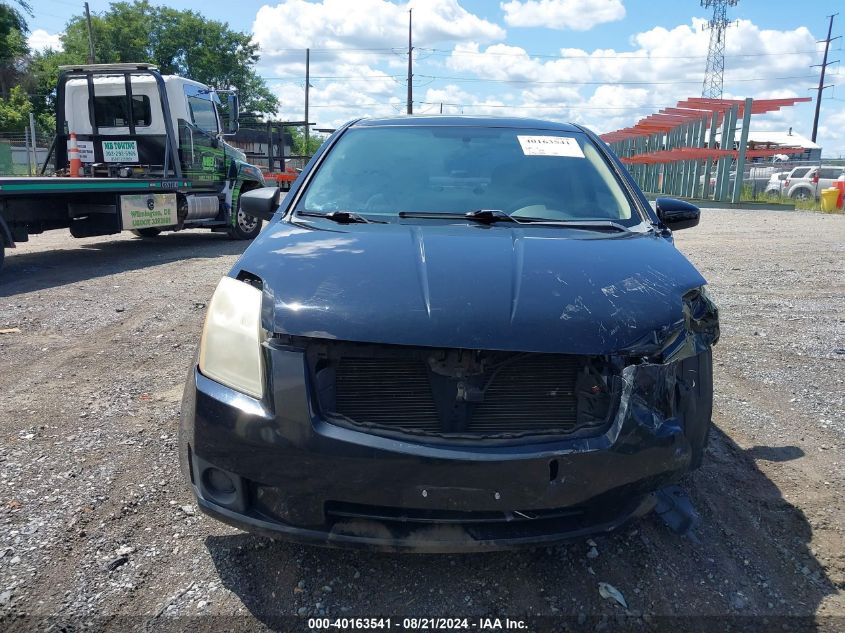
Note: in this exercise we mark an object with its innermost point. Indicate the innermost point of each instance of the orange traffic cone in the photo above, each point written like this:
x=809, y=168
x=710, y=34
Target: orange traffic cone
x=73, y=156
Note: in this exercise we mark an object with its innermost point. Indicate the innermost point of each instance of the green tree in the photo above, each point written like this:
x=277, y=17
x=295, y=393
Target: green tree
x=299, y=148
x=13, y=44
x=178, y=42
x=14, y=111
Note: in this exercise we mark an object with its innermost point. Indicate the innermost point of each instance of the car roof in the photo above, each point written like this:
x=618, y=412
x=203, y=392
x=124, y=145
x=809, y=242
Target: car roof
x=468, y=121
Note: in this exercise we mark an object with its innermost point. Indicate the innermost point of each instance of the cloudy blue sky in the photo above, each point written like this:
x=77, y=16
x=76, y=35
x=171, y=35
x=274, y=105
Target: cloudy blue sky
x=604, y=63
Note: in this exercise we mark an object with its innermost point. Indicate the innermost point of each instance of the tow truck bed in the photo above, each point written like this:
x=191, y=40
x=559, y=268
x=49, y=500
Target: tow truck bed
x=29, y=186
x=87, y=206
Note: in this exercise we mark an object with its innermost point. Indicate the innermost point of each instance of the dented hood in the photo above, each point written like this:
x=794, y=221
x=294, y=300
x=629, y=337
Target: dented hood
x=495, y=287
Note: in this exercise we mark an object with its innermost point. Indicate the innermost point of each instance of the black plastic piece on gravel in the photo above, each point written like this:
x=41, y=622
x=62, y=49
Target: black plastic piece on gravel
x=676, y=510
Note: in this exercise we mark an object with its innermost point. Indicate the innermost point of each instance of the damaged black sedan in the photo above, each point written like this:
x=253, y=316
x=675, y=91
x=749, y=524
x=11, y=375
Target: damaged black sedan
x=456, y=334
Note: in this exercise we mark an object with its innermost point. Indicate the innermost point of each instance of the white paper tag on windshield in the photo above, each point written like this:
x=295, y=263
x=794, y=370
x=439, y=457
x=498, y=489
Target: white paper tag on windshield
x=550, y=146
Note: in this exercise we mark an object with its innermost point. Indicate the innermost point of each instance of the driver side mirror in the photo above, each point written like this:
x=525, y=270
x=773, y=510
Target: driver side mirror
x=262, y=203
x=677, y=214
x=233, y=103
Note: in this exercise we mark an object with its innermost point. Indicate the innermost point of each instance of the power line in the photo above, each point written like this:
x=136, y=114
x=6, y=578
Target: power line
x=620, y=55
x=602, y=83
x=488, y=53
x=65, y=2
x=340, y=50
x=397, y=78
x=333, y=77
x=527, y=106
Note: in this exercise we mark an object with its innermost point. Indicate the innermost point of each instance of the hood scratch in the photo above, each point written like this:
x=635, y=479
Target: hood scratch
x=518, y=254
x=422, y=267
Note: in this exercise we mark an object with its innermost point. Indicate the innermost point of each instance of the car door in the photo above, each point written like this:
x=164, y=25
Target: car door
x=827, y=176
x=202, y=155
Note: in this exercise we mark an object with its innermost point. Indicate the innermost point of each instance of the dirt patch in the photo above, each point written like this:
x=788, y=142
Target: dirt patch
x=96, y=522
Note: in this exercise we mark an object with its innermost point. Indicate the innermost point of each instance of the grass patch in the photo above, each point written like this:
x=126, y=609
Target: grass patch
x=804, y=205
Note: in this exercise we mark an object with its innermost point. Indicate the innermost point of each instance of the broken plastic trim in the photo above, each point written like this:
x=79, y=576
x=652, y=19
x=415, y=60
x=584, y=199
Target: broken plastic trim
x=696, y=332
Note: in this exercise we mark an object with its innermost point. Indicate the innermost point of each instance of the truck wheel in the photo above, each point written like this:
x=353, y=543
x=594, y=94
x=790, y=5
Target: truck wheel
x=800, y=194
x=146, y=232
x=246, y=227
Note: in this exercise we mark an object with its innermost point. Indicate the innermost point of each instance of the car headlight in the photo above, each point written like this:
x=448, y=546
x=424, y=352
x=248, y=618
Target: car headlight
x=230, y=347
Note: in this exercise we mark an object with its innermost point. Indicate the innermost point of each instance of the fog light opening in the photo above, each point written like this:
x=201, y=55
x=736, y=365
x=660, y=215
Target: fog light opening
x=553, y=470
x=219, y=485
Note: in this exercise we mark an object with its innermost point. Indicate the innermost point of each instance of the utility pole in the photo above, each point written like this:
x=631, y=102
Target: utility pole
x=714, y=73
x=90, y=35
x=307, y=87
x=824, y=66
x=410, y=62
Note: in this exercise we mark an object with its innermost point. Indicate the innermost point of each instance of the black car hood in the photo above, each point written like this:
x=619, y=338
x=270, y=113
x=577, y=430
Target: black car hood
x=471, y=286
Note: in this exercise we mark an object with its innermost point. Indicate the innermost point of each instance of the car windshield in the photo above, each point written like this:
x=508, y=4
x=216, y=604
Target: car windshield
x=531, y=173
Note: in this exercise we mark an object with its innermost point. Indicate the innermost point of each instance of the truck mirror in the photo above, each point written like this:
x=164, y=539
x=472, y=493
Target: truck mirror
x=233, y=103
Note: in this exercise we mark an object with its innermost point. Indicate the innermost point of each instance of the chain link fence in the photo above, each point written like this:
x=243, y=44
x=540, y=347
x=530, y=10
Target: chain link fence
x=789, y=181
x=19, y=156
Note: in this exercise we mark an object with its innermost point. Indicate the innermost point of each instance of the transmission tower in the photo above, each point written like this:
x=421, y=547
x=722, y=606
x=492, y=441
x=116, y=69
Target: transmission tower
x=714, y=74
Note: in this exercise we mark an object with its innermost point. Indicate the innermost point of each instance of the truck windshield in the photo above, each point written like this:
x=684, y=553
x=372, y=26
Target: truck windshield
x=541, y=174
x=202, y=114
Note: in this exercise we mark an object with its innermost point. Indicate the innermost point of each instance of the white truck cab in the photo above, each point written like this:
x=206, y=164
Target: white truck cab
x=153, y=158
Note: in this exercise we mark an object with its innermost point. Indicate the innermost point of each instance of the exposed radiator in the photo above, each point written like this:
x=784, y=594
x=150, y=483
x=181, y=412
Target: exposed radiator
x=524, y=394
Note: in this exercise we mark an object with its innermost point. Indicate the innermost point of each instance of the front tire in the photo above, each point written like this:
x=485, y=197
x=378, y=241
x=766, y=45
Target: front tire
x=800, y=194
x=146, y=233
x=246, y=227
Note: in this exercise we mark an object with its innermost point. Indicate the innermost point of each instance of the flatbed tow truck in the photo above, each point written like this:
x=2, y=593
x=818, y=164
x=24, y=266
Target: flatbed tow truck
x=152, y=158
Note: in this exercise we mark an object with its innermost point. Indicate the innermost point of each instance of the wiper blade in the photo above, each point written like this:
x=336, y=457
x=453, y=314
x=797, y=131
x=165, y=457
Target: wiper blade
x=587, y=225
x=488, y=216
x=485, y=216
x=341, y=217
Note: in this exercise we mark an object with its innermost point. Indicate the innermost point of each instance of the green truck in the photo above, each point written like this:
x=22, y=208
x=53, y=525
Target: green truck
x=152, y=158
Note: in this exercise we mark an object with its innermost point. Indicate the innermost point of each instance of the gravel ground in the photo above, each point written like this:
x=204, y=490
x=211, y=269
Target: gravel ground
x=97, y=525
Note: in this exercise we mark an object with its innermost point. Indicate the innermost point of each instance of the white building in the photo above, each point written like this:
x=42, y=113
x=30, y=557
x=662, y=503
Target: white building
x=767, y=139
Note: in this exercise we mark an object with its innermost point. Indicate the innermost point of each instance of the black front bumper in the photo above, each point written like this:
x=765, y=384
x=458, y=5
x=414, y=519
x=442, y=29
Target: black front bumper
x=297, y=477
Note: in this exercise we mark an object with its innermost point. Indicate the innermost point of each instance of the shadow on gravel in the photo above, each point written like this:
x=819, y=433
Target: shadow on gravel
x=27, y=272
x=776, y=453
x=752, y=558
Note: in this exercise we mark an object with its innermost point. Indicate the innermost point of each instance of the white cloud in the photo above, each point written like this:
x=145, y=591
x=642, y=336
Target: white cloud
x=608, y=88
x=832, y=130
x=364, y=90
x=368, y=81
x=577, y=15
x=364, y=24
x=673, y=57
x=484, y=73
x=40, y=40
